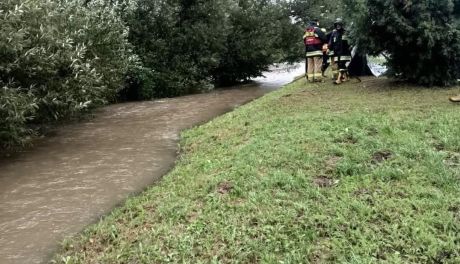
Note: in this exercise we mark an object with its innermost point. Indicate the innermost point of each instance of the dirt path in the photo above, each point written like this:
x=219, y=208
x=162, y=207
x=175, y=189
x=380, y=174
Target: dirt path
x=71, y=179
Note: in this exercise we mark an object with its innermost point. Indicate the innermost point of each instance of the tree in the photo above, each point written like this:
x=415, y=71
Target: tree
x=61, y=58
x=324, y=10
x=260, y=33
x=192, y=45
x=178, y=42
x=58, y=59
x=421, y=37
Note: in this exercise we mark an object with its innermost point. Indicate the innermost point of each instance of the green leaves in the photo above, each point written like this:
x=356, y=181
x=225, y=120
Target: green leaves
x=16, y=109
x=190, y=46
x=73, y=55
x=422, y=37
x=260, y=33
x=63, y=57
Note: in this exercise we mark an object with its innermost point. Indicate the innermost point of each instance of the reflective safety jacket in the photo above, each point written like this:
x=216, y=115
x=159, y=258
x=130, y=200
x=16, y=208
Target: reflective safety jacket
x=339, y=45
x=314, y=39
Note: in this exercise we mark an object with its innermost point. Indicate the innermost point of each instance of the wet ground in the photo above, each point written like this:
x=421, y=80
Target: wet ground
x=72, y=178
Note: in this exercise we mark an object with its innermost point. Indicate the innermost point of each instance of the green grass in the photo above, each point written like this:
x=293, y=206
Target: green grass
x=360, y=173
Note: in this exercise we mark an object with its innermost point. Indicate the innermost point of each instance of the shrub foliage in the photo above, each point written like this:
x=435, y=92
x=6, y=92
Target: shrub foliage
x=421, y=37
x=191, y=45
x=59, y=59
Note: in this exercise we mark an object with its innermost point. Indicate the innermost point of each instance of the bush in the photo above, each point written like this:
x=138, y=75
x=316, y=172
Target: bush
x=140, y=83
x=422, y=37
x=324, y=10
x=106, y=38
x=190, y=46
x=260, y=33
x=64, y=57
x=179, y=42
x=16, y=109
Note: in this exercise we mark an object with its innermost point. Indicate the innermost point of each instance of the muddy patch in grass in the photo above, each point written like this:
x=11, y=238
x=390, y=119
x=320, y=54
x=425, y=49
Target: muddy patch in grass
x=321, y=252
x=452, y=160
x=330, y=164
x=439, y=146
x=372, y=131
x=365, y=195
x=347, y=139
x=195, y=212
x=455, y=210
x=191, y=217
x=224, y=187
x=381, y=156
x=324, y=181
x=362, y=191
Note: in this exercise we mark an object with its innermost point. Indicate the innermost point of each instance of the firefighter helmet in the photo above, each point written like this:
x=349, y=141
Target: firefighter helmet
x=313, y=23
x=338, y=21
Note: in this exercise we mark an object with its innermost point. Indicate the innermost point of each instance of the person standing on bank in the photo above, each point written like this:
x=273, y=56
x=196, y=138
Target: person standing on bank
x=338, y=43
x=314, y=39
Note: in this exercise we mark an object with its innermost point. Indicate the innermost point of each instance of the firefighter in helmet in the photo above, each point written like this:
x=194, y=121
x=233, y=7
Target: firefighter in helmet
x=340, y=47
x=314, y=38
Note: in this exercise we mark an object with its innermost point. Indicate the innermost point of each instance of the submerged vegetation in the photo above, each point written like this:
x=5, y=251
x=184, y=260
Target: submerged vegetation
x=361, y=173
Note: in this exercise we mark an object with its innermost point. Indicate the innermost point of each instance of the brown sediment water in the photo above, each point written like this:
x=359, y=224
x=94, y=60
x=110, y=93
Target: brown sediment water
x=72, y=178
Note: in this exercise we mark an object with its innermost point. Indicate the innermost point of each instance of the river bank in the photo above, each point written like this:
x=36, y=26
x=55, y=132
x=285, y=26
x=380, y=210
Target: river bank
x=73, y=177
x=359, y=173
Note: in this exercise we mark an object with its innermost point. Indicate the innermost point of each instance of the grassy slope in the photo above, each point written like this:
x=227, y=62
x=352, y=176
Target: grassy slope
x=310, y=173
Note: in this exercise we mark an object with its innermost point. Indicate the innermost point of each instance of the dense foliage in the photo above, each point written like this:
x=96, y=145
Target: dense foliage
x=421, y=37
x=326, y=11
x=57, y=60
x=192, y=45
x=62, y=58
x=179, y=42
x=259, y=34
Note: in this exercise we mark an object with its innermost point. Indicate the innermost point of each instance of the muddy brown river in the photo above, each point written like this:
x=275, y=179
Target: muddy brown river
x=72, y=178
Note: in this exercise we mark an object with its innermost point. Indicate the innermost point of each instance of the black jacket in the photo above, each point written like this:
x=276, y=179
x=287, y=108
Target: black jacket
x=338, y=43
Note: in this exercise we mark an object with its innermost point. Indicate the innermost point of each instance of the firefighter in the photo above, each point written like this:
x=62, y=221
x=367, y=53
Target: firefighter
x=341, y=52
x=314, y=38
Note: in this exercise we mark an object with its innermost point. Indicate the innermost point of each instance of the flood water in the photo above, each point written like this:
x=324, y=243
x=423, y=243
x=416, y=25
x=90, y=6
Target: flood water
x=72, y=178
